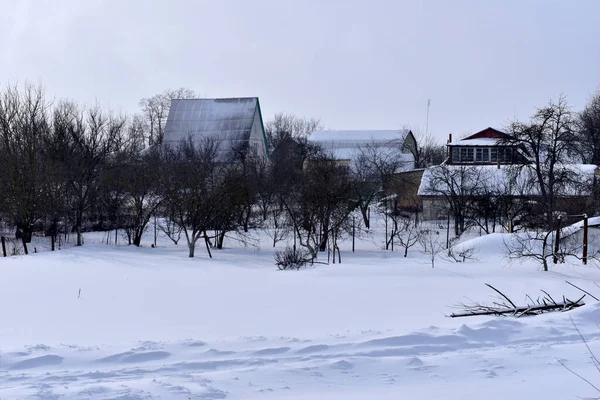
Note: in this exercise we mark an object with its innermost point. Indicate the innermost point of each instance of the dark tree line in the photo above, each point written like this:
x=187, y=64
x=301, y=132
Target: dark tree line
x=69, y=169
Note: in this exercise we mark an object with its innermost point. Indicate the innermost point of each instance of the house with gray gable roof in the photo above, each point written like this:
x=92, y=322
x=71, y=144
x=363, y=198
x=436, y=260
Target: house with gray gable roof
x=231, y=122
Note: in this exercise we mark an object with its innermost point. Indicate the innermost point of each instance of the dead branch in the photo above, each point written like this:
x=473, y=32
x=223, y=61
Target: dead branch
x=584, y=291
x=501, y=294
x=533, y=307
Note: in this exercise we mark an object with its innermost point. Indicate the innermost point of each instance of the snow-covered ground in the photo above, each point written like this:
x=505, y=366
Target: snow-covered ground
x=152, y=323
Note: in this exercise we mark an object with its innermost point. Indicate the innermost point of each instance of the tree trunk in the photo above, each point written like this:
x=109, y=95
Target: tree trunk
x=137, y=237
x=79, y=237
x=456, y=225
x=24, y=232
x=220, y=239
x=247, y=218
x=365, y=215
x=207, y=246
x=192, y=248
x=324, y=237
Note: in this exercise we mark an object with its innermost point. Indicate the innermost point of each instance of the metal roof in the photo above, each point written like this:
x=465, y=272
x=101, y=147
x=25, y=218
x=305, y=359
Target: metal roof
x=222, y=119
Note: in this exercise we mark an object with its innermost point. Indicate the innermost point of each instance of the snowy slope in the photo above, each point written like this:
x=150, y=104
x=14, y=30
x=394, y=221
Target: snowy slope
x=151, y=323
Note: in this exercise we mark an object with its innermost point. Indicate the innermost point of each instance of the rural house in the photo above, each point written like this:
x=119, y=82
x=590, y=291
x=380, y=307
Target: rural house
x=485, y=176
x=231, y=122
x=484, y=148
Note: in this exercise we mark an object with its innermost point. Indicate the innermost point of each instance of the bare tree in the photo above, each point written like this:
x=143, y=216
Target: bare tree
x=155, y=111
x=535, y=245
x=191, y=186
x=289, y=126
x=459, y=186
x=277, y=227
x=588, y=131
x=540, y=245
x=142, y=194
x=431, y=244
x=319, y=203
x=171, y=229
x=548, y=139
x=408, y=234
x=503, y=195
x=371, y=171
x=82, y=142
x=428, y=151
x=24, y=176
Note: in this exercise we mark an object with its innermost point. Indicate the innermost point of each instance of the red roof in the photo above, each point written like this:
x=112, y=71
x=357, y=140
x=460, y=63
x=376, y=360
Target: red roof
x=488, y=133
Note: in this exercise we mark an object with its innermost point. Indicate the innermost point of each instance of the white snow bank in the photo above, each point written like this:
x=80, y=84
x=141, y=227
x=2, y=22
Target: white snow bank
x=151, y=323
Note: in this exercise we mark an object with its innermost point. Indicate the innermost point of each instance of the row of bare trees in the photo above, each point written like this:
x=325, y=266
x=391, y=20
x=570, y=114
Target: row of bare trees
x=64, y=168
x=52, y=159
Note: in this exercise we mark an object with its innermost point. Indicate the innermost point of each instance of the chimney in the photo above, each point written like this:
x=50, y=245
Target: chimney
x=449, y=138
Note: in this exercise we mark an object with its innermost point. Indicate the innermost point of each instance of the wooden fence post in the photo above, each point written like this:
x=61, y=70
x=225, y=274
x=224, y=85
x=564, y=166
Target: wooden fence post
x=585, y=239
x=3, y=246
x=556, y=240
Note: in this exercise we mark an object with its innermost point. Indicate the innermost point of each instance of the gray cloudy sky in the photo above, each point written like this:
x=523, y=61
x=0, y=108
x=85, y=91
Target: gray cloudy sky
x=356, y=64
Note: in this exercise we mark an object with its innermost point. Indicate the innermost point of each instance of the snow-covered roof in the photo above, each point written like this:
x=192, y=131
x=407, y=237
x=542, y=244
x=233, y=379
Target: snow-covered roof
x=407, y=160
x=480, y=142
x=516, y=180
x=347, y=145
x=354, y=136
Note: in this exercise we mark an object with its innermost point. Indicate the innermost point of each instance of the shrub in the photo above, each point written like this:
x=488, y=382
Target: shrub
x=292, y=258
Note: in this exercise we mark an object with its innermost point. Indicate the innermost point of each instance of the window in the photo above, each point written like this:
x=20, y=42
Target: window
x=486, y=155
x=482, y=155
x=493, y=155
x=466, y=155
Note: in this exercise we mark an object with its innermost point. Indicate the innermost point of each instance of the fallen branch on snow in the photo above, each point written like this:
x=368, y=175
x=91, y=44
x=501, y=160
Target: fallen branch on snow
x=508, y=307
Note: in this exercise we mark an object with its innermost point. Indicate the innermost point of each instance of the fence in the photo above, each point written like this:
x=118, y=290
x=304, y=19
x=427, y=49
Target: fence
x=12, y=246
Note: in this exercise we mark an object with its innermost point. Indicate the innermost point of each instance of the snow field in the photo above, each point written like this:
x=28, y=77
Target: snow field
x=152, y=323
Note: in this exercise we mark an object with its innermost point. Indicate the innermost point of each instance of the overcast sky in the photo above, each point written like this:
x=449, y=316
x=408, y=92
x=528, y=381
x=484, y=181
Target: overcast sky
x=355, y=64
